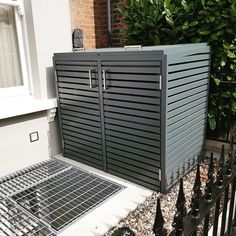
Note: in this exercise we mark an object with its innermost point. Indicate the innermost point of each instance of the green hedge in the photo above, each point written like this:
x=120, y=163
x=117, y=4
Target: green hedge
x=162, y=22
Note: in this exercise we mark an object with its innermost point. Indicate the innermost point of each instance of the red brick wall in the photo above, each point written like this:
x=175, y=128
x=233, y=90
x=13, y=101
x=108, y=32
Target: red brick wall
x=118, y=38
x=101, y=31
x=90, y=16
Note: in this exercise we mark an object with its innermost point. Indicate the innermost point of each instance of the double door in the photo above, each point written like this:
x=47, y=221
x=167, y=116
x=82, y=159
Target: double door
x=110, y=113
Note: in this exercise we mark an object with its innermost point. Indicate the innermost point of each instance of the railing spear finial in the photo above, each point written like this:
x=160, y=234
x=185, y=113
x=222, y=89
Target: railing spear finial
x=195, y=202
x=181, y=211
x=158, y=227
x=210, y=180
x=221, y=171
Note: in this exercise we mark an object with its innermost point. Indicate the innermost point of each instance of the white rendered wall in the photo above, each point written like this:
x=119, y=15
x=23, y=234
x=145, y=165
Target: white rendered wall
x=49, y=31
x=16, y=150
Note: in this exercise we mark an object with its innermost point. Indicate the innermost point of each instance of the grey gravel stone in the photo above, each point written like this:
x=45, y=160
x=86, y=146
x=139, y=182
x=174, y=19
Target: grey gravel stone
x=141, y=220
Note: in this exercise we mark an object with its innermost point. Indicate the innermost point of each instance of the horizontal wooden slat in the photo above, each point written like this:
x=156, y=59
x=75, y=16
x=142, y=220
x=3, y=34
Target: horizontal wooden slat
x=130, y=98
x=133, y=77
x=77, y=67
x=135, y=119
x=84, y=159
x=128, y=91
x=82, y=131
x=71, y=67
x=80, y=109
x=64, y=111
x=188, y=66
x=80, y=104
x=94, y=152
x=76, y=86
x=78, y=92
x=154, y=187
x=148, y=63
x=125, y=84
x=186, y=80
x=79, y=80
x=187, y=87
x=132, y=105
x=73, y=146
x=187, y=73
x=133, y=137
x=176, y=59
x=146, y=114
x=135, y=157
x=67, y=134
x=185, y=94
x=79, y=98
x=81, y=126
x=134, y=70
x=191, y=146
x=179, y=123
x=178, y=134
x=134, y=176
x=133, y=144
x=187, y=100
x=133, y=150
x=145, y=172
x=134, y=131
x=77, y=61
x=138, y=163
x=186, y=107
x=186, y=141
x=80, y=120
x=74, y=141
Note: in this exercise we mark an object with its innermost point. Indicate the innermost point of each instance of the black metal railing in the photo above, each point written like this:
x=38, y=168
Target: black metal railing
x=218, y=199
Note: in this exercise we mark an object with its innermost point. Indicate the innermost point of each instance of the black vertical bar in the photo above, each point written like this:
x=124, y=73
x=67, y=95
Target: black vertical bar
x=216, y=218
x=206, y=224
x=222, y=232
x=231, y=208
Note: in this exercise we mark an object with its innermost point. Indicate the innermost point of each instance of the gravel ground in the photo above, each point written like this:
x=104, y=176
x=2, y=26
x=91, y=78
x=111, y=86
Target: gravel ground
x=141, y=220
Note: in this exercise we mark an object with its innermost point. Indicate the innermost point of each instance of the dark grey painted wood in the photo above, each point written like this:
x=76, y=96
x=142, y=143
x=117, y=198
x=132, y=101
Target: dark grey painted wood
x=139, y=124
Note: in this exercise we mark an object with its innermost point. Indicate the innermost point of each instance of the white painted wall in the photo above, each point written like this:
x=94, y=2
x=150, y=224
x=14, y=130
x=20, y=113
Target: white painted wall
x=49, y=31
x=16, y=150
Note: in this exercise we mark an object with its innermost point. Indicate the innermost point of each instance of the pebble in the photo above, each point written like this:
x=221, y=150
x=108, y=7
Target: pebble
x=141, y=220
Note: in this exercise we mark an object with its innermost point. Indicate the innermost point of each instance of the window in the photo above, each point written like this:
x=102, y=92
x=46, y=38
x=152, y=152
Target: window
x=13, y=72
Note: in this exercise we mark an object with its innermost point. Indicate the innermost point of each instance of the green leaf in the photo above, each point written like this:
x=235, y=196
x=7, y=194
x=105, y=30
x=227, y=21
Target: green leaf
x=212, y=123
x=217, y=82
x=234, y=94
x=229, y=78
x=226, y=95
x=230, y=54
x=234, y=107
x=193, y=23
x=203, y=31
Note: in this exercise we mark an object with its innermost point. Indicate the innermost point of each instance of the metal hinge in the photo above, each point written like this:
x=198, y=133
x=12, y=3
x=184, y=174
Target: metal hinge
x=160, y=82
x=159, y=174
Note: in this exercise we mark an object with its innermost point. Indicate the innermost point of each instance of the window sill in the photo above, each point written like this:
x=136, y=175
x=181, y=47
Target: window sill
x=22, y=105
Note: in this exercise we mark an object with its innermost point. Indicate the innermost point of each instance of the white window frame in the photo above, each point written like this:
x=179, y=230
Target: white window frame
x=19, y=14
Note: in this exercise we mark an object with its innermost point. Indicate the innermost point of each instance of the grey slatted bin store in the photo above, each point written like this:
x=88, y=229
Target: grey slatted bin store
x=139, y=114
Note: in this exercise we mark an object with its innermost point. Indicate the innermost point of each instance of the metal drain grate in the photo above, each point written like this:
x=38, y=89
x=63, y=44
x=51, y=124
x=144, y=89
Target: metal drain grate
x=16, y=222
x=56, y=193
x=25, y=178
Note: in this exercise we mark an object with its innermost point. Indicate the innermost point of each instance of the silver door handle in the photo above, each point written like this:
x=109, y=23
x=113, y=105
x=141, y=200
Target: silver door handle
x=90, y=79
x=104, y=79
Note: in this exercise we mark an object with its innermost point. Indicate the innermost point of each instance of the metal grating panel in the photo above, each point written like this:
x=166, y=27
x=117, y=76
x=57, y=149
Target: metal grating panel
x=15, y=221
x=51, y=200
